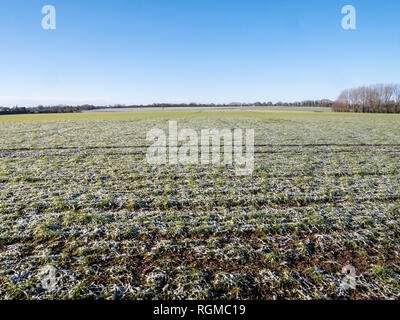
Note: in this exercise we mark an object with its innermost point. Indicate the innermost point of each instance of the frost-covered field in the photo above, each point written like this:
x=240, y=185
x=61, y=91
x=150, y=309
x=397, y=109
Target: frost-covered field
x=78, y=197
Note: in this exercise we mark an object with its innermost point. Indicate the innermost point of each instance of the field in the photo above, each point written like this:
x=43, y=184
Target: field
x=78, y=199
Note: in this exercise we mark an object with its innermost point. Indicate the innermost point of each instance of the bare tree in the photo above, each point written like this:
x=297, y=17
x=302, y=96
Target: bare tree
x=377, y=98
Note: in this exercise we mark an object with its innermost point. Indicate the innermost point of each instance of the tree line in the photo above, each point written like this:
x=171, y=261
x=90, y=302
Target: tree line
x=305, y=103
x=70, y=109
x=379, y=98
x=47, y=109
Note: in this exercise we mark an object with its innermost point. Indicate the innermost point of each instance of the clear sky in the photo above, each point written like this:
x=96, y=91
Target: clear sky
x=146, y=51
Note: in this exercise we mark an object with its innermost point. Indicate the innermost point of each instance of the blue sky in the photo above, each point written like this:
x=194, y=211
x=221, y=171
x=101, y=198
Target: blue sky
x=146, y=51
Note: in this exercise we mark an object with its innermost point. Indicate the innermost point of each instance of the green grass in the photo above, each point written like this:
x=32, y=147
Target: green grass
x=198, y=114
x=76, y=194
